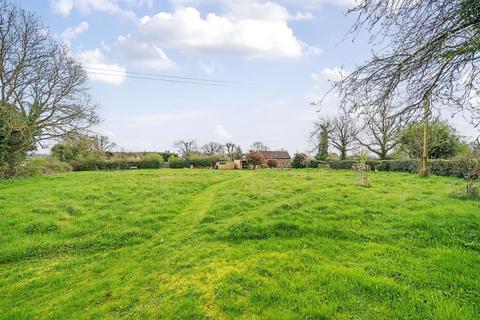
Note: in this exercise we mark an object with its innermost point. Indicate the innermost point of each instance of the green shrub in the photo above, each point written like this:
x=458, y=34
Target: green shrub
x=342, y=164
x=151, y=161
x=202, y=161
x=42, y=166
x=299, y=160
x=177, y=163
x=313, y=163
x=471, y=188
x=272, y=163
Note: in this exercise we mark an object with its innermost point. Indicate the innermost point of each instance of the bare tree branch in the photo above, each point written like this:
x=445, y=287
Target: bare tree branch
x=428, y=48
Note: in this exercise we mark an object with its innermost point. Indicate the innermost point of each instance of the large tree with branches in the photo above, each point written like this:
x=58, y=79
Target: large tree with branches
x=233, y=151
x=212, y=148
x=43, y=93
x=429, y=58
x=381, y=131
x=186, y=147
x=343, y=133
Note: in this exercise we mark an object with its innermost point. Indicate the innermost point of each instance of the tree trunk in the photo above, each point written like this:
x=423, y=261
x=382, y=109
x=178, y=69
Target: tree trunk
x=383, y=154
x=12, y=168
x=426, y=115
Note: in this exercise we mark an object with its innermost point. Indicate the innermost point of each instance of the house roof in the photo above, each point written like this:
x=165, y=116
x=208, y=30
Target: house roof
x=275, y=155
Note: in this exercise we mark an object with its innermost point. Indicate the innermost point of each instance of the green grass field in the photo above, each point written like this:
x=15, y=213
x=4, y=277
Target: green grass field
x=266, y=244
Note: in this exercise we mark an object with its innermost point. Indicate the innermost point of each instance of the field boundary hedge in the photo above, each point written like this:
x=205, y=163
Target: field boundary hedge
x=107, y=165
x=450, y=168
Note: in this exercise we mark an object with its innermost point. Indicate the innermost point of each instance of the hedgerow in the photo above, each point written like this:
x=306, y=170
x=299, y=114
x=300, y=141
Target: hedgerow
x=451, y=168
x=147, y=163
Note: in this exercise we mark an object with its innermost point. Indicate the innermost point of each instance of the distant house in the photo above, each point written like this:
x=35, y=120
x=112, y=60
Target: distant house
x=283, y=158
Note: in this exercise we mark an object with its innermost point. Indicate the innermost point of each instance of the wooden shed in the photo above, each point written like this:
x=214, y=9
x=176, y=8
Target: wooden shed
x=231, y=165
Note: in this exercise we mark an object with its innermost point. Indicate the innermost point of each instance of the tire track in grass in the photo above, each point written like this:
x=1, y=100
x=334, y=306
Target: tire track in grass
x=182, y=224
x=191, y=266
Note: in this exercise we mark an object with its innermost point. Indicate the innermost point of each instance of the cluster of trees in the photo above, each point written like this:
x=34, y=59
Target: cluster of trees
x=229, y=150
x=78, y=149
x=426, y=57
x=43, y=93
x=83, y=148
x=233, y=151
x=386, y=136
x=210, y=153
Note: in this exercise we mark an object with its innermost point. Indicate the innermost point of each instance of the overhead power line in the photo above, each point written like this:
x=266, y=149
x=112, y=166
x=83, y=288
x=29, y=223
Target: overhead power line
x=161, y=77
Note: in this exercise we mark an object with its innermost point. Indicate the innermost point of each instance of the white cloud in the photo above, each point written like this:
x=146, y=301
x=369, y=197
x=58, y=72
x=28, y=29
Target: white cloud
x=142, y=54
x=99, y=70
x=248, y=29
x=62, y=7
x=222, y=133
x=72, y=32
x=65, y=7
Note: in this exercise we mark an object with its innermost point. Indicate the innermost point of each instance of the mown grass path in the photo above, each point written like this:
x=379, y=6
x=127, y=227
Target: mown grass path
x=181, y=227
x=199, y=244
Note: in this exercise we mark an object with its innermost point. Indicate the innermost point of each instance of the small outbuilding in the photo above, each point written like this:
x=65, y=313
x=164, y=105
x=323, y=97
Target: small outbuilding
x=232, y=165
x=282, y=157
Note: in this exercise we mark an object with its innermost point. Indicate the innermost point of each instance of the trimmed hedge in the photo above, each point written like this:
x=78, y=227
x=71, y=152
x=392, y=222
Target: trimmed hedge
x=200, y=162
x=149, y=163
x=177, y=163
x=452, y=168
x=341, y=164
x=94, y=165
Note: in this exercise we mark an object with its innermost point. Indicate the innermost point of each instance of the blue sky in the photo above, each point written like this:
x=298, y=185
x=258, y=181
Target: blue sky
x=283, y=50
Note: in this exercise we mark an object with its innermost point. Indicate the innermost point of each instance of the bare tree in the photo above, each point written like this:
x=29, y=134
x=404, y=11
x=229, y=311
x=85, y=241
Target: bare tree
x=212, y=148
x=233, y=151
x=103, y=143
x=75, y=147
x=343, y=134
x=381, y=131
x=428, y=58
x=231, y=147
x=319, y=137
x=185, y=147
x=39, y=80
x=258, y=146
